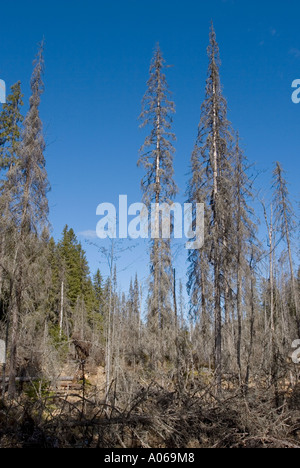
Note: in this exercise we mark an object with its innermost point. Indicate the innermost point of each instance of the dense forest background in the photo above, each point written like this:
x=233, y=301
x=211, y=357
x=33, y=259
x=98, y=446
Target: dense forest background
x=144, y=372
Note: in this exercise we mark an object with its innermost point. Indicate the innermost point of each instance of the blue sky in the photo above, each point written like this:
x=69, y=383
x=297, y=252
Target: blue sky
x=97, y=62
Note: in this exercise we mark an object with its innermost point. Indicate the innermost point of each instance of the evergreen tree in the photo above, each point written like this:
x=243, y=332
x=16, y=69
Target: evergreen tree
x=10, y=127
x=56, y=272
x=77, y=273
x=134, y=302
x=199, y=274
x=136, y=299
x=10, y=135
x=285, y=225
x=242, y=240
x=98, y=288
x=211, y=184
x=28, y=186
x=158, y=186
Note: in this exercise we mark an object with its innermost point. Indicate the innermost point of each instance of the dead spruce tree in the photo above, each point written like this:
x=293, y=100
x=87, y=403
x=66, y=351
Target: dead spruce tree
x=245, y=233
x=28, y=185
x=271, y=323
x=211, y=184
x=158, y=186
x=10, y=134
x=133, y=319
x=199, y=272
x=10, y=127
x=285, y=224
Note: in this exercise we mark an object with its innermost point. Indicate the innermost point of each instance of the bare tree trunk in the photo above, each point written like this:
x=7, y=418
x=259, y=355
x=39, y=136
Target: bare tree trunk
x=108, y=336
x=285, y=217
x=61, y=310
x=217, y=285
x=5, y=359
x=227, y=344
x=239, y=314
x=158, y=318
x=294, y=285
x=176, y=330
x=13, y=348
x=15, y=296
x=218, y=330
x=271, y=266
x=273, y=345
x=1, y=268
x=252, y=327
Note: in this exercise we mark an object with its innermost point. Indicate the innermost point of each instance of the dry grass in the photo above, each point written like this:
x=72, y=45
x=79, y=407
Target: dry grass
x=154, y=416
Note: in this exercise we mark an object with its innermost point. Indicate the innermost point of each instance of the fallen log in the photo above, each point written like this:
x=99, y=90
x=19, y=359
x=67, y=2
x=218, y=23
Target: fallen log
x=36, y=379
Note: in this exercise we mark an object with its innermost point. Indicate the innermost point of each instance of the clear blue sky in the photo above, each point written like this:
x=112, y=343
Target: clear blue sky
x=97, y=61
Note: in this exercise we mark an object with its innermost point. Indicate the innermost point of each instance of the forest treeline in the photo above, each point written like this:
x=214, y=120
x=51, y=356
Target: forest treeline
x=243, y=311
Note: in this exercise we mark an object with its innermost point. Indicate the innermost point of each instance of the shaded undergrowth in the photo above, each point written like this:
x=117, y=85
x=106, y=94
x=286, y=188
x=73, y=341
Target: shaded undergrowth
x=154, y=417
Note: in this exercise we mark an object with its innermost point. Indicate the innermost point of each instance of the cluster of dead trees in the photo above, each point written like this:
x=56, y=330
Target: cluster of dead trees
x=243, y=314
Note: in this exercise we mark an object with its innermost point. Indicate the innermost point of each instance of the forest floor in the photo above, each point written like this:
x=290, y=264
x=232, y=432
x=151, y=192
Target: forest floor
x=150, y=415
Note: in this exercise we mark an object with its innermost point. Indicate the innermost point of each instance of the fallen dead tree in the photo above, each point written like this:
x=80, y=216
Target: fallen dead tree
x=36, y=379
x=155, y=417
